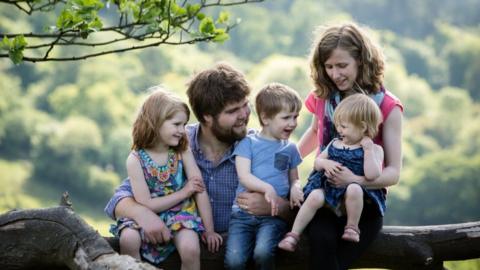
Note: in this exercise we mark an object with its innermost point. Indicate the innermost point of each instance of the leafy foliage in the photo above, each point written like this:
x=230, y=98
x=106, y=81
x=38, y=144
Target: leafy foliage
x=147, y=22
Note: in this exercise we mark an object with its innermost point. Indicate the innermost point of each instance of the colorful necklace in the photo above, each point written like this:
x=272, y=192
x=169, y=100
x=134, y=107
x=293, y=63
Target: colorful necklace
x=161, y=172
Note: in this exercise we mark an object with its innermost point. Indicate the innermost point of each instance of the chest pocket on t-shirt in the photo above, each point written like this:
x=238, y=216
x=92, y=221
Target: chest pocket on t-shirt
x=281, y=161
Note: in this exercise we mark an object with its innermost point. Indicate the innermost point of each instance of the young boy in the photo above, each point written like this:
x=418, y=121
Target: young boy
x=266, y=162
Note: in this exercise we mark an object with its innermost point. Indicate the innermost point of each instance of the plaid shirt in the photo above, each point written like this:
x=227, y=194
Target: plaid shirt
x=220, y=179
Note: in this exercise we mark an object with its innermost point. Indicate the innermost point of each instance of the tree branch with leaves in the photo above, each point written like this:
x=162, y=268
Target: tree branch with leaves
x=91, y=28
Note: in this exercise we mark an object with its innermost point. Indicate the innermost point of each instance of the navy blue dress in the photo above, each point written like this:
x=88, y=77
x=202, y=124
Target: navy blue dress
x=352, y=159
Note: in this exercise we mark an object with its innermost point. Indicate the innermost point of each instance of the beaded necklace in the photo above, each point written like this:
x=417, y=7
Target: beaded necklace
x=161, y=172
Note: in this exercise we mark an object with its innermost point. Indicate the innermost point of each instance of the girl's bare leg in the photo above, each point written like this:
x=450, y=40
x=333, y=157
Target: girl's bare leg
x=130, y=242
x=188, y=246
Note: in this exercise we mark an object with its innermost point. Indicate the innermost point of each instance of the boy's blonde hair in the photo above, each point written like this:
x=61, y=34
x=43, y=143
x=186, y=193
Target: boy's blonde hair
x=159, y=106
x=275, y=97
x=359, y=109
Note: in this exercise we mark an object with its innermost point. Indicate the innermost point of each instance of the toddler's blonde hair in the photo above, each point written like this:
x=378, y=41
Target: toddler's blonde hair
x=359, y=109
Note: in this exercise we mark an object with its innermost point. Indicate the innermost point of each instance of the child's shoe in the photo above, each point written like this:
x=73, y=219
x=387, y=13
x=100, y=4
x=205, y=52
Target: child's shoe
x=289, y=242
x=351, y=233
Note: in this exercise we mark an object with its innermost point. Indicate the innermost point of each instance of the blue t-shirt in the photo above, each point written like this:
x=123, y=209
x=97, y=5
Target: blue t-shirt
x=271, y=161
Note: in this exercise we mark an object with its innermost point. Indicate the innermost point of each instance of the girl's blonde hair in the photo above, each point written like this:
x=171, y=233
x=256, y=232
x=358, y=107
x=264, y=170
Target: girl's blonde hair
x=159, y=106
x=353, y=39
x=359, y=109
x=273, y=98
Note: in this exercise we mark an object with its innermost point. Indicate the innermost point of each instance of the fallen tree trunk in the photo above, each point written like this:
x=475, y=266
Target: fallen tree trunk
x=57, y=238
x=397, y=247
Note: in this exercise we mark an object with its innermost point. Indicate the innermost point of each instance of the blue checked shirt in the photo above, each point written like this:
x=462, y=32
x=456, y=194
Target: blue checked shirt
x=220, y=179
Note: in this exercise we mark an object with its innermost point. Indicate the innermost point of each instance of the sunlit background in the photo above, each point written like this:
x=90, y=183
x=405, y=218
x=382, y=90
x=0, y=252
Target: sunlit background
x=66, y=125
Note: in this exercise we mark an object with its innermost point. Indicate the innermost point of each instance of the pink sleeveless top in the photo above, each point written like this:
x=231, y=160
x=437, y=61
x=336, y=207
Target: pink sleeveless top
x=317, y=107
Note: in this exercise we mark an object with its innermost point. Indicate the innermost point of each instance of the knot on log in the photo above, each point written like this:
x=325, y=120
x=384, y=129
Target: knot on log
x=65, y=200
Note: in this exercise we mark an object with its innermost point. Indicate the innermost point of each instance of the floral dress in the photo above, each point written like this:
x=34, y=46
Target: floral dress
x=352, y=159
x=162, y=181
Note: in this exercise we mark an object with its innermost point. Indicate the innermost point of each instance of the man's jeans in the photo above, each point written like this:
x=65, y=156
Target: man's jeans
x=257, y=235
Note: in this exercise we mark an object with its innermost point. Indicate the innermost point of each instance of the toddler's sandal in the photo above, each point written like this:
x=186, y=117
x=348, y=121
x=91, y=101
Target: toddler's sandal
x=351, y=233
x=289, y=242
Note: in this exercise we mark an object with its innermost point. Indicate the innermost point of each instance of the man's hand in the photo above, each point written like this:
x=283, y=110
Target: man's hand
x=155, y=230
x=254, y=203
x=213, y=241
x=153, y=227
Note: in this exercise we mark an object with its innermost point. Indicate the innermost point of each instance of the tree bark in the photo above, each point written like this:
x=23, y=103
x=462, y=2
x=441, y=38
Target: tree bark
x=397, y=247
x=56, y=238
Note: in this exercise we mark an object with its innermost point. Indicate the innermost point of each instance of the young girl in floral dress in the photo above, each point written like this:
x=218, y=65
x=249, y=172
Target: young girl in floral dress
x=165, y=178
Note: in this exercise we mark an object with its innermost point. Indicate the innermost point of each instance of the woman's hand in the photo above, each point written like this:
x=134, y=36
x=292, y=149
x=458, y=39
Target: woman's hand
x=329, y=166
x=343, y=177
x=213, y=240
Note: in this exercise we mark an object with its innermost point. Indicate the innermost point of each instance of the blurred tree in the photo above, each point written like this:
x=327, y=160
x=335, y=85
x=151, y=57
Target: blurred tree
x=80, y=25
x=454, y=111
x=63, y=152
x=115, y=150
x=421, y=59
x=411, y=18
x=462, y=53
x=456, y=182
x=108, y=103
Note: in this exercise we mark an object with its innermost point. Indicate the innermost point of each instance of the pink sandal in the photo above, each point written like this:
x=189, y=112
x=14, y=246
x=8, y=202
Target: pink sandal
x=289, y=242
x=351, y=233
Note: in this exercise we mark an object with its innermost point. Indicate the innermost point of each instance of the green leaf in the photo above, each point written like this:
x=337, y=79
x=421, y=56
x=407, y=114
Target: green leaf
x=16, y=56
x=5, y=43
x=65, y=19
x=223, y=17
x=96, y=24
x=206, y=26
x=220, y=36
x=192, y=9
x=15, y=48
x=200, y=16
x=19, y=42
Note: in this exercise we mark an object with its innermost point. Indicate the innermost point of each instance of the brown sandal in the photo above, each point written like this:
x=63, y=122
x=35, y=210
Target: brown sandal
x=351, y=233
x=289, y=242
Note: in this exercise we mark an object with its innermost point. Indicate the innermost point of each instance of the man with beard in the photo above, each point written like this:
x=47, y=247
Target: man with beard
x=219, y=99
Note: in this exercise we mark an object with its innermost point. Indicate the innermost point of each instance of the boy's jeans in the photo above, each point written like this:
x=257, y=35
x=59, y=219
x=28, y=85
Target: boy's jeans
x=257, y=235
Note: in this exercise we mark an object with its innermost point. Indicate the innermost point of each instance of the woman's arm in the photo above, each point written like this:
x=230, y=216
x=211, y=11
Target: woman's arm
x=141, y=192
x=309, y=140
x=392, y=147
